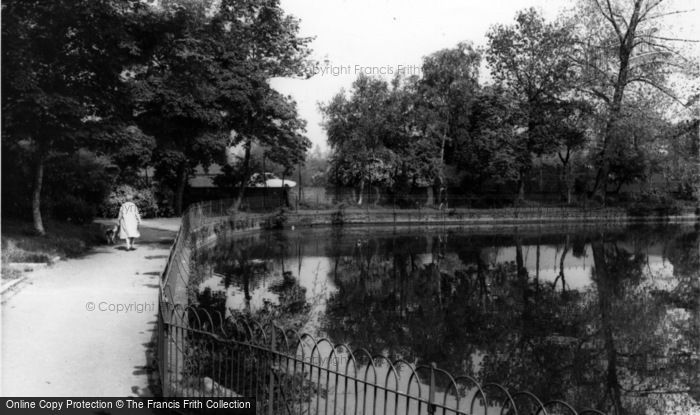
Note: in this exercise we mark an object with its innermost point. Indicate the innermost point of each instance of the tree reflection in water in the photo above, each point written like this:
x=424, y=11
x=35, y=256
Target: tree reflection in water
x=626, y=341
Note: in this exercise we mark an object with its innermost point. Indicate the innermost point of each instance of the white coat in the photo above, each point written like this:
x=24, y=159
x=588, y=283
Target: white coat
x=129, y=221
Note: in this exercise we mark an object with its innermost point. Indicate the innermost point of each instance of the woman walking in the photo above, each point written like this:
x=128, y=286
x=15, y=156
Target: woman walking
x=129, y=221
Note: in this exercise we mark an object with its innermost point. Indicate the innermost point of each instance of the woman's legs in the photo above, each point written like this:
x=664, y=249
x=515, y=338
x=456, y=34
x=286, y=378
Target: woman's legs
x=127, y=242
x=131, y=243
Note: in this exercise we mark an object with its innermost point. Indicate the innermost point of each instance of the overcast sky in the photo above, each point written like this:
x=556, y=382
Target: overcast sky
x=385, y=36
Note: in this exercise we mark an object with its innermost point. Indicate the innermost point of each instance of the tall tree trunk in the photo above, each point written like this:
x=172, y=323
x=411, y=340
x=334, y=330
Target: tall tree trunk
x=627, y=44
x=300, y=184
x=244, y=176
x=442, y=159
x=566, y=175
x=182, y=177
x=36, y=192
x=521, y=188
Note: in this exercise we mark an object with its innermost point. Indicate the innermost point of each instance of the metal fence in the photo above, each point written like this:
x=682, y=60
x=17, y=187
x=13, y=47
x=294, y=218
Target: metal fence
x=312, y=200
x=204, y=354
x=320, y=198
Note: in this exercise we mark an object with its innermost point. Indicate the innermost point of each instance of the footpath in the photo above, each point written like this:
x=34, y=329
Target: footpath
x=87, y=326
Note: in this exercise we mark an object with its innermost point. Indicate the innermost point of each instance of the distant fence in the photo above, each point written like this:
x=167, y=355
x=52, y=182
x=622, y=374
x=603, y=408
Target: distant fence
x=207, y=354
x=324, y=197
x=318, y=197
x=377, y=198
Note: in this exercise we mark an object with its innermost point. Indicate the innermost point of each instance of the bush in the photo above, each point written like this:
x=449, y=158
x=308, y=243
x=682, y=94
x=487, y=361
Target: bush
x=76, y=184
x=74, y=209
x=164, y=197
x=143, y=198
x=654, y=204
x=278, y=220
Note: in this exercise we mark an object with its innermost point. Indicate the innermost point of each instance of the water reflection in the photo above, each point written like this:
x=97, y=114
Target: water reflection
x=604, y=318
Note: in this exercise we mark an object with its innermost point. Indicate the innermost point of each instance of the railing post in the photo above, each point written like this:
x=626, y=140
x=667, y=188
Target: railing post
x=164, y=343
x=271, y=404
x=431, y=392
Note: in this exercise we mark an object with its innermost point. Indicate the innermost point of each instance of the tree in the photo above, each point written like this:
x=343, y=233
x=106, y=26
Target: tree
x=569, y=124
x=683, y=158
x=529, y=61
x=404, y=133
x=176, y=93
x=624, y=50
x=266, y=44
x=415, y=155
x=446, y=92
x=129, y=149
x=208, y=75
x=62, y=63
x=639, y=146
x=272, y=122
x=357, y=131
x=491, y=152
x=313, y=170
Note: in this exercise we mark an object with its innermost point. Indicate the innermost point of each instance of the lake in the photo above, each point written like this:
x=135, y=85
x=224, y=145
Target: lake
x=594, y=315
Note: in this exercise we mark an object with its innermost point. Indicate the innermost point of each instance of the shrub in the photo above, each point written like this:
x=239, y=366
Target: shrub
x=143, y=198
x=11, y=252
x=278, y=220
x=77, y=185
x=164, y=197
x=10, y=274
x=74, y=209
x=654, y=204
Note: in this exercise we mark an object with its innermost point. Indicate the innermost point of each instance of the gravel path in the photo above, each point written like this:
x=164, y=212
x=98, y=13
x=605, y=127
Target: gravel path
x=86, y=327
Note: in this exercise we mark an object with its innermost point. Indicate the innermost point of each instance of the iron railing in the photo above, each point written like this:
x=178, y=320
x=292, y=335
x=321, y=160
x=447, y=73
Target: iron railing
x=373, y=197
x=209, y=354
x=205, y=354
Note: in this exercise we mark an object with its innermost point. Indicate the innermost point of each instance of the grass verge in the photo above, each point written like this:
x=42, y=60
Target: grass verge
x=65, y=240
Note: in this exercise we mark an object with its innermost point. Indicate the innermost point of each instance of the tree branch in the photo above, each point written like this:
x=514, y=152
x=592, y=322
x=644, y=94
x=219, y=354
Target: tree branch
x=610, y=18
x=666, y=48
x=649, y=8
x=597, y=93
x=657, y=16
x=674, y=39
x=657, y=86
x=657, y=62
